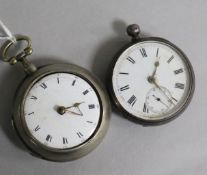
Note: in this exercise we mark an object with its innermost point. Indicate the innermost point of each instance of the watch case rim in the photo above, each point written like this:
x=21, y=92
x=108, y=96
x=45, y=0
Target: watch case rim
x=146, y=122
x=61, y=155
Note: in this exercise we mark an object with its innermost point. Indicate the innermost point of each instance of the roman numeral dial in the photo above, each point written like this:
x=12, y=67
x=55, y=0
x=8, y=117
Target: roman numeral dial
x=150, y=78
x=62, y=110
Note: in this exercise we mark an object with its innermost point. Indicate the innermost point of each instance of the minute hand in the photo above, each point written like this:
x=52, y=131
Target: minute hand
x=75, y=105
x=155, y=83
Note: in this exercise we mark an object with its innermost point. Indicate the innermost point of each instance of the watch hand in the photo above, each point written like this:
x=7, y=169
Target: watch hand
x=157, y=85
x=62, y=110
x=75, y=105
x=80, y=111
x=156, y=64
x=74, y=112
x=158, y=99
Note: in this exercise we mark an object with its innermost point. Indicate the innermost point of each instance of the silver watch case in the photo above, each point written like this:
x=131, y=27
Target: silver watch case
x=41, y=150
x=170, y=116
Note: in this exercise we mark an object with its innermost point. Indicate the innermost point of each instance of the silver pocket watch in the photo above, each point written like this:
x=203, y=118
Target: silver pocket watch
x=61, y=111
x=151, y=80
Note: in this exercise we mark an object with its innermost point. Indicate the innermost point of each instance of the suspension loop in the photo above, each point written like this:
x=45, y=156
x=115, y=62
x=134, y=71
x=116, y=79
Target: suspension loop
x=21, y=56
x=24, y=53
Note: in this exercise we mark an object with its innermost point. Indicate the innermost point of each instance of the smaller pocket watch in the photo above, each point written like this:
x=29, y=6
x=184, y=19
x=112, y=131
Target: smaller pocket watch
x=61, y=111
x=151, y=80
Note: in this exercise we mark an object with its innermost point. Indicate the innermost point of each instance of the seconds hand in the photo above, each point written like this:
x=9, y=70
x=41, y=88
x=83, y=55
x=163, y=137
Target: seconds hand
x=158, y=99
x=154, y=82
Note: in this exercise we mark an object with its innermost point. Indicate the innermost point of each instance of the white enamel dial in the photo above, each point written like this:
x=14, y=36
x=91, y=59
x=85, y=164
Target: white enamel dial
x=75, y=124
x=151, y=80
x=157, y=101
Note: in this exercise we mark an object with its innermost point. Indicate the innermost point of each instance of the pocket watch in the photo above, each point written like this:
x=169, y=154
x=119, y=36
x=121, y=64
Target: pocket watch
x=61, y=111
x=151, y=80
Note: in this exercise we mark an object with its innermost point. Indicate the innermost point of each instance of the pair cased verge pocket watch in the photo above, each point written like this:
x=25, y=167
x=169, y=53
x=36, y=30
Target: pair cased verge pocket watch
x=62, y=112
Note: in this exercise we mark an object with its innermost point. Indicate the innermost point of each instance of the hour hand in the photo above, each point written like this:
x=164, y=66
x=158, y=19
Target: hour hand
x=156, y=65
x=75, y=113
x=62, y=110
x=79, y=112
x=76, y=105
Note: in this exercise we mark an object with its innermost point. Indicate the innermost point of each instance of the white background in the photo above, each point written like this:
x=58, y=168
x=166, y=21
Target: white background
x=89, y=33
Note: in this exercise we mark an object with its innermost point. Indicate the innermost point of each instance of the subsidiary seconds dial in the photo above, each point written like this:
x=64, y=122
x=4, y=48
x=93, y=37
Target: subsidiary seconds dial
x=151, y=80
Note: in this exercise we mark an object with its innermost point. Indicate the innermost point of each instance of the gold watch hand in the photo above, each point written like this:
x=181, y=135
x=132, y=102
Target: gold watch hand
x=78, y=104
x=79, y=111
x=62, y=110
x=73, y=112
x=75, y=105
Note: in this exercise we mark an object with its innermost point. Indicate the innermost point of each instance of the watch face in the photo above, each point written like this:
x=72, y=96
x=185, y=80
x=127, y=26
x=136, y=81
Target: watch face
x=62, y=111
x=152, y=80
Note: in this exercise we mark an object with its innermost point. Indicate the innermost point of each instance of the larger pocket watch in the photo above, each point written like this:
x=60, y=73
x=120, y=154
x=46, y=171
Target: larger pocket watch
x=151, y=80
x=61, y=111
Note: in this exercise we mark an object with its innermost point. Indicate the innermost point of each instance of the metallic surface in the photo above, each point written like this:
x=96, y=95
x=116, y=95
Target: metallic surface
x=133, y=30
x=169, y=116
x=20, y=57
x=60, y=154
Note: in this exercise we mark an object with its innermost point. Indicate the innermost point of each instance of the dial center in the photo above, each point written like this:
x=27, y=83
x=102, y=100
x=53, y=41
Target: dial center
x=61, y=110
x=151, y=79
